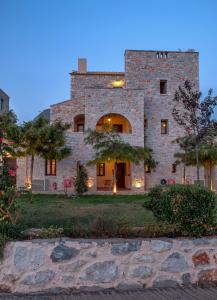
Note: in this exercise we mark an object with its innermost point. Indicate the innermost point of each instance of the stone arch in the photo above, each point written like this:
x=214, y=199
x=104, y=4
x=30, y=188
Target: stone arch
x=119, y=122
x=79, y=123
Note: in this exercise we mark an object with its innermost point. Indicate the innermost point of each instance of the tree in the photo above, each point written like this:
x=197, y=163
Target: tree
x=81, y=180
x=9, y=135
x=41, y=138
x=194, y=116
x=207, y=158
x=109, y=146
x=181, y=157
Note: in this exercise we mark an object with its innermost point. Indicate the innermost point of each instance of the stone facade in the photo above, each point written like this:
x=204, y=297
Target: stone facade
x=94, y=96
x=4, y=102
x=40, y=265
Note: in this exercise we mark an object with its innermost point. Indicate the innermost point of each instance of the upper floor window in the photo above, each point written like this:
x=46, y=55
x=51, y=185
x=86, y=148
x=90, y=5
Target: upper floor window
x=79, y=122
x=163, y=87
x=1, y=104
x=164, y=126
x=50, y=167
x=145, y=123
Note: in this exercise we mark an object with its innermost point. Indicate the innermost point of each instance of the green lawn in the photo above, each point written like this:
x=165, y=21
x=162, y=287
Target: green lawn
x=46, y=210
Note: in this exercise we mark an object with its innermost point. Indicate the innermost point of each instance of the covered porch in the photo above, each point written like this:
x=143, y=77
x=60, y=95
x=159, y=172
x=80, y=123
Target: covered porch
x=105, y=176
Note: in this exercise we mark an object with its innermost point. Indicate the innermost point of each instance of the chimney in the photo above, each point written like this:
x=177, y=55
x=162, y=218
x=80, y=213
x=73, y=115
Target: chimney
x=82, y=65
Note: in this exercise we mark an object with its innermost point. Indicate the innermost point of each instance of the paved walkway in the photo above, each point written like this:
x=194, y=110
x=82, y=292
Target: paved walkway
x=190, y=293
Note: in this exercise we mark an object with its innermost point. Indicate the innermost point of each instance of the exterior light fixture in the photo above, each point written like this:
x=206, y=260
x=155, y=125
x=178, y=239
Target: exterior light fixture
x=90, y=182
x=138, y=183
x=118, y=83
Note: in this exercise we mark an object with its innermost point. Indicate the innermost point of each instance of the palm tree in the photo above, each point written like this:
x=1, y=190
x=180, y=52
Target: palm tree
x=41, y=138
x=109, y=146
x=207, y=158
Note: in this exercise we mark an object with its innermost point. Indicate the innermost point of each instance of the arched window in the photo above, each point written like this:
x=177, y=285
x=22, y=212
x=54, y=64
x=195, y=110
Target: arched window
x=116, y=121
x=79, y=123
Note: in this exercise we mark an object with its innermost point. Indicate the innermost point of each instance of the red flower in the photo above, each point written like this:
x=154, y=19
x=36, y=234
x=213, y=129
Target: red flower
x=11, y=173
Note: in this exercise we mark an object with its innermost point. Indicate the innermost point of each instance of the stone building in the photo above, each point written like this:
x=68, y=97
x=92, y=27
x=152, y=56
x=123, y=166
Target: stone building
x=4, y=102
x=137, y=103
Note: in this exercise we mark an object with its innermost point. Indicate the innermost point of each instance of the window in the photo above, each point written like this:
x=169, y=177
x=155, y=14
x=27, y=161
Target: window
x=147, y=169
x=80, y=127
x=79, y=122
x=101, y=169
x=164, y=126
x=145, y=123
x=173, y=168
x=163, y=87
x=117, y=127
x=50, y=167
x=1, y=104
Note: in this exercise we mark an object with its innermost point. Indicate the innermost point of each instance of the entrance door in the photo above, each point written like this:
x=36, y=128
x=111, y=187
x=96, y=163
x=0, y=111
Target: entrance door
x=121, y=175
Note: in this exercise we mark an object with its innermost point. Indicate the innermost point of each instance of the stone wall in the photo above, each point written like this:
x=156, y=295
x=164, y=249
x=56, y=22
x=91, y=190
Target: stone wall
x=4, y=101
x=40, y=265
x=96, y=80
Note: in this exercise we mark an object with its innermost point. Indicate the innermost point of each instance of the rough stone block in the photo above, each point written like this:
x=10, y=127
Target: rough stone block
x=62, y=252
x=200, y=258
x=174, y=263
x=160, y=245
x=101, y=272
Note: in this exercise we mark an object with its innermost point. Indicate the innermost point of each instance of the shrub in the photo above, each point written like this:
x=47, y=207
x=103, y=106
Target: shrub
x=81, y=181
x=190, y=207
x=106, y=227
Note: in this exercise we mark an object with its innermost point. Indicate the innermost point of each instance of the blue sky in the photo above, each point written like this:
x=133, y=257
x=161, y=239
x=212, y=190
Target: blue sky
x=40, y=41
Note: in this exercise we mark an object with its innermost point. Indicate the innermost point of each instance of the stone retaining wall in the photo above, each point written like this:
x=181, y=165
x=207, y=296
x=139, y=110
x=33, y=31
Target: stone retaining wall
x=40, y=265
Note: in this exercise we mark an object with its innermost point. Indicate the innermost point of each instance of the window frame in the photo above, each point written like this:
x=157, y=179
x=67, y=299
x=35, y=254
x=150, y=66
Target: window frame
x=174, y=168
x=1, y=104
x=49, y=162
x=99, y=173
x=80, y=124
x=164, y=127
x=163, y=89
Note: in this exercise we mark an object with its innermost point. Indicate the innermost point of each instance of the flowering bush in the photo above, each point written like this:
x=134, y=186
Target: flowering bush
x=9, y=195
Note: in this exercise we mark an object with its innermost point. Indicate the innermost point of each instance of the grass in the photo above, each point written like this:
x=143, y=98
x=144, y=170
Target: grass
x=47, y=210
x=95, y=216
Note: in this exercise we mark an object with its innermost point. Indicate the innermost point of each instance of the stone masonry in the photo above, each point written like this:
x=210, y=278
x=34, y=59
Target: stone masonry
x=41, y=265
x=93, y=96
x=4, y=102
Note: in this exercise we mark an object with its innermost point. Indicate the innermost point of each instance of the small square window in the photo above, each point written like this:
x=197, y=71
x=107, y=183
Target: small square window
x=164, y=126
x=50, y=167
x=145, y=123
x=173, y=168
x=163, y=87
x=101, y=169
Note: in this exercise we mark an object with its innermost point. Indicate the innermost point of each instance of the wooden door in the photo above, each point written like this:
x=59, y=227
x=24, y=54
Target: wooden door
x=121, y=175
